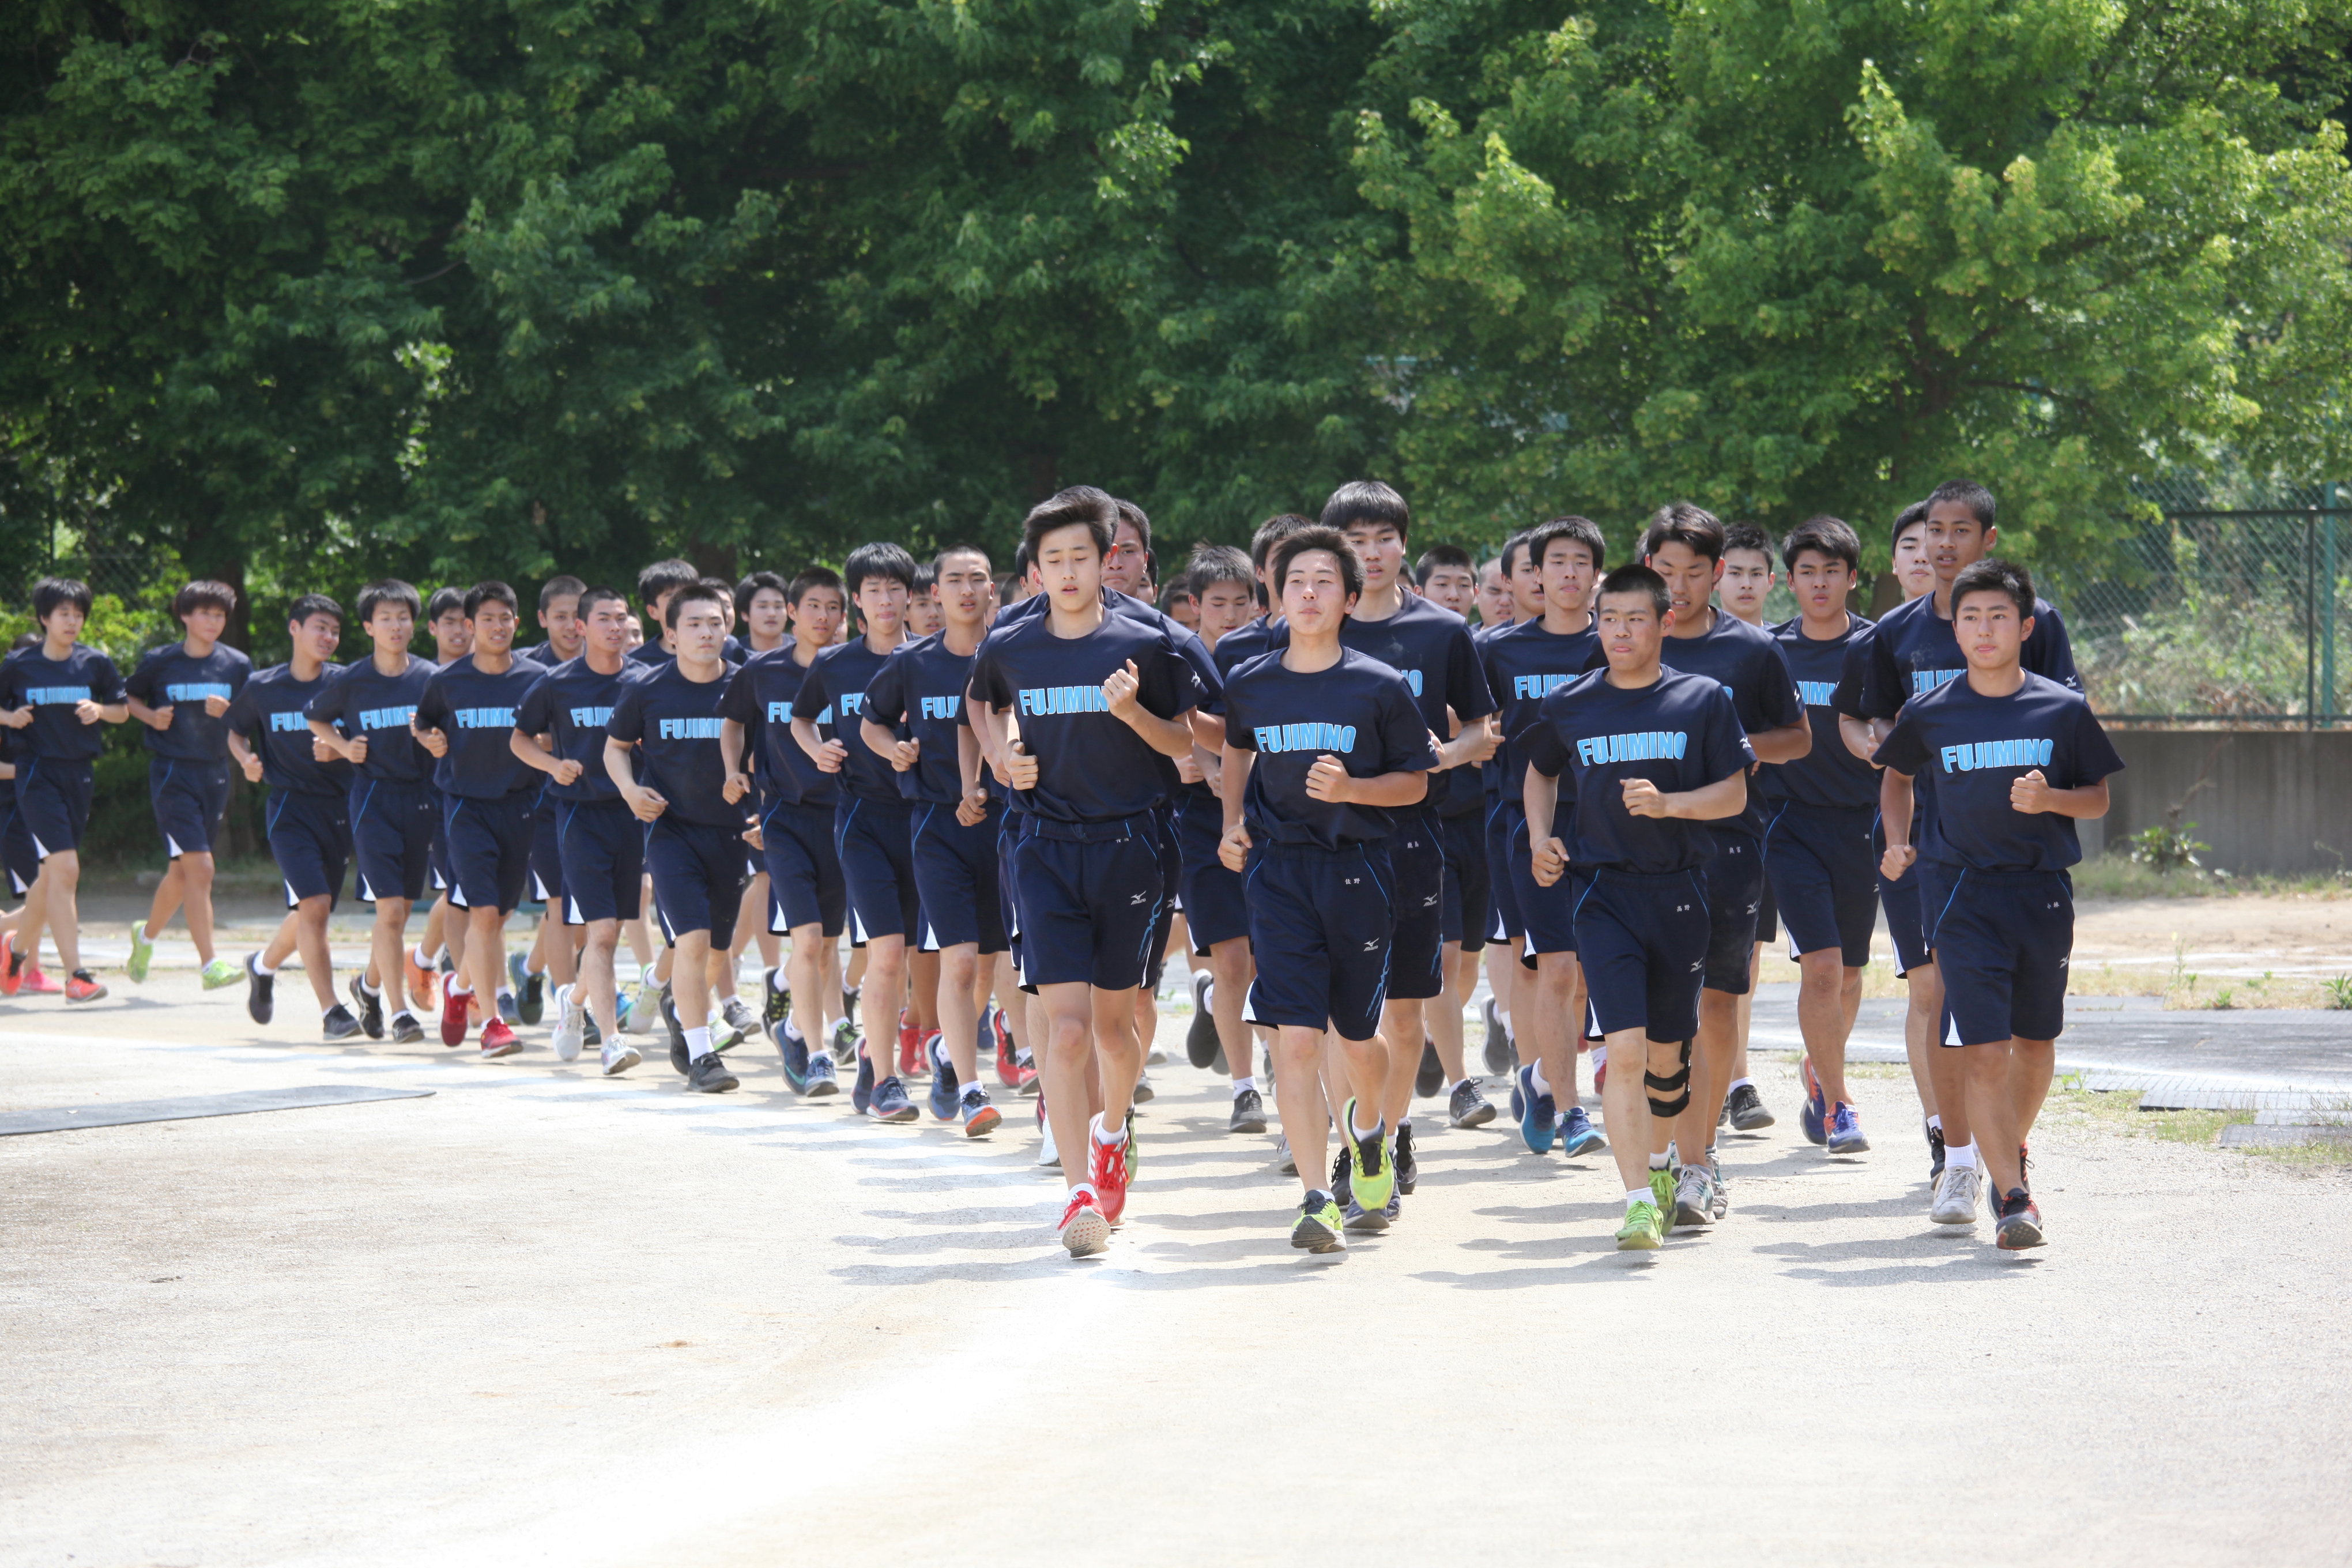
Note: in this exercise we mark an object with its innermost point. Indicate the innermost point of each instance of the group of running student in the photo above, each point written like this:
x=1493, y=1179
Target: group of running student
x=1614, y=788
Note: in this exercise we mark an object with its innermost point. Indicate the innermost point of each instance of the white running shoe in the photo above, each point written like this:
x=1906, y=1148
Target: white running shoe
x=571, y=1024
x=1956, y=1196
x=644, y=1009
x=620, y=1055
x=1048, y=1156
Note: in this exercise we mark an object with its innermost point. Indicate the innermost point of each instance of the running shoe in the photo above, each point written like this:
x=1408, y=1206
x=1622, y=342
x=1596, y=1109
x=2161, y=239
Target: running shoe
x=1144, y=1093
x=944, y=1095
x=1049, y=1158
x=708, y=1074
x=618, y=1056
x=861, y=1091
x=740, y=1024
x=980, y=1118
x=1537, y=1118
x=1284, y=1161
x=889, y=1102
x=11, y=964
x=910, y=1045
x=1692, y=1200
x=1107, y=1169
x=81, y=986
x=1249, y=1114
x=1662, y=1193
x=795, y=1053
x=405, y=1029
x=260, y=991
x=1317, y=1228
x=370, y=1008
x=337, y=1023
x=1845, y=1131
x=1718, y=1199
x=418, y=979
x=529, y=990
x=2020, y=1225
x=571, y=1024
x=1501, y=1054
x=1641, y=1231
x=645, y=1007
x=454, y=1007
x=1025, y=1064
x=1408, y=1169
x=591, y=1034
x=1430, y=1078
x=446, y=964
x=1468, y=1107
x=1956, y=1196
x=1364, y=1221
x=1084, y=1231
x=221, y=973
x=1935, y=1153
x=820, y=1081
x=1599, y=1072
x=142, y=953
x=510, y=1010
x=845, y=1043
x=1343, y=1167
x=1375, y=1173
x=678, y=1056
x=37, y=984
x=1201, y=1043
x=1745, y=1108
x=1577, y=1136
x=499, y=1039
x=1813, y=1116
x=776, y=1004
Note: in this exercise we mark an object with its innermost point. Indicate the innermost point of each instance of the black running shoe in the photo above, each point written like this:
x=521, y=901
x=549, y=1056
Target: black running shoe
x=1249, y=1114
x=530, y=996
x=1343, y=1167
x=710, y=1076
x=1934, y=1155
x=2018, y=1225
x=591, y=1037
x=779, y=1004
x=371, y=1009
x=257, y=989
x=1745, y=1109
x=1408, y=1170
x=678, y=1057
x=338, y=1024
x=1468, y=1108
x=1201, y=1045
x=1432, y=1076
x=1502, y=1055
x=405, y=1029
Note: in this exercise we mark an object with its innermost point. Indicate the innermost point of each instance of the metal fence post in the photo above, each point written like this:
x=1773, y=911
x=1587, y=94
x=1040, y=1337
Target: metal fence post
x=2328, y=605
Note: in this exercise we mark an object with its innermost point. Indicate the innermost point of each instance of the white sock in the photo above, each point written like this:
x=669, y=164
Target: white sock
x=1961, y=1158
x=1403, y=1122
x=791, y=1032
x=404, y=1012
x=424, y=959
x=1739, y=1082
x=973, y=1094
x=261, y=968
x=1085, y=1187
x=369, y=990
x=1638, y=1196
x=697, y=1043
x=1542, y=1084
x=1660, y=1162
x=329, y=1009
x=1243, y=1086
x=1361, y=1133
x=1111, y=1139
x=1935, y=1123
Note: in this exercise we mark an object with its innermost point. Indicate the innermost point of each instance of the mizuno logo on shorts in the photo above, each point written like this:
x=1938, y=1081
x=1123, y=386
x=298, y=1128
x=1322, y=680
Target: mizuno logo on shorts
x=1139, y=897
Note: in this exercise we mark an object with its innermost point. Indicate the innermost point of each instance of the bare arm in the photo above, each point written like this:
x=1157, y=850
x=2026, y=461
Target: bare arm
x=2033, y=794
x=1232, y=780
x=153, y=718
x=1710, y=802
x=1540, y=796
x=1169, y=737
x=621, y=767
x=829, y=755
x=534, y=753
x=1862, y=736
x=1895, y=816
x=352, y=751
x=1328, y=780
x=1785, y=744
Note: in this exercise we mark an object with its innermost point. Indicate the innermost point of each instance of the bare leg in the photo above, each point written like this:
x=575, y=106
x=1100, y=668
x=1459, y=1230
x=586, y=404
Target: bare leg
x=1718, y=1023
x=166, y=902
x=385, y=941
x=61, y=878
x=197, y=901
x=1827, y=993
x=1229, y=975
x=1404, y=1027
x=596, y=975
x=310, y=937
x=1992, y=1114
x=877, y=1002
x=959, y=1016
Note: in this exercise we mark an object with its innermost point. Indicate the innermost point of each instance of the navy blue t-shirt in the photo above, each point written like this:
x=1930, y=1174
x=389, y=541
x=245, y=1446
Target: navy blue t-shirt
x=1525, y=664
x=1207, y=668
x=835, y=685
x=52, y=688
x=269, y=714
x=1829, y=774
x=1747, y=663
x=1360, y=711
x=1092, y=767
x=1681, y=733
x=762, y=698
x=362, y=701
x=570, y=704
x=1253, y=639
x=1914, y=650
x=169, y=678
x=1975, y=747
x=475, y=713
x=918, y=695
x=674, y=723
x=544, y=655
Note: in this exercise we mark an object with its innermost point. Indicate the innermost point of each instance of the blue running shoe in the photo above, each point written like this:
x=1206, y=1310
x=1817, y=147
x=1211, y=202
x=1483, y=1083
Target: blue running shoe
x=795, y=1052
x=890, y=1102
x=861, y=1093
x=1813, y=1119
x=820, y=1075
x=1845, y=1130
x=944, y=1092
x=1518, y=1102
x=1577, y=1136
x=1536, y=1120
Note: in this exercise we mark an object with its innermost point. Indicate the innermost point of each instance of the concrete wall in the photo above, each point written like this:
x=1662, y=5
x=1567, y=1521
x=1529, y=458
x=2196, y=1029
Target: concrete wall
x=2268, y=802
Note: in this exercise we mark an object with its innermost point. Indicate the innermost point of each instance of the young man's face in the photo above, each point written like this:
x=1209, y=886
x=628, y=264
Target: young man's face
x=636, y=632
x=766, y=614
x=1315, y=596
x=882, y=604
x=1630, y=628
x=1954, y=538
x=1380, y=548
x=1495, y=601
x=1568, y=573
x=1123, y=569
x=1185, y=610
x=959, y=594
x=658, y=612
x=1526, y=585
x=1451, y=586
x=1225, y=606
x=1070, y=567
x=1747, y=577
x=560, y=621
x=698, y=629
x=65, y=622
x=1821, y=582
x=450, y=637
x=606, y=629
x=1989, y=630
x=492, y=628
x=1913, y=568
x=923, y=616
x=316, y=637
x=388, y=628
x=1690, y=576
x=205, y=623
x=816, y=619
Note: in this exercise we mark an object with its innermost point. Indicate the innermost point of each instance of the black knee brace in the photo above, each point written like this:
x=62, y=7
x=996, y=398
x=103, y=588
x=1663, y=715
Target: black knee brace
x=1670, y=1109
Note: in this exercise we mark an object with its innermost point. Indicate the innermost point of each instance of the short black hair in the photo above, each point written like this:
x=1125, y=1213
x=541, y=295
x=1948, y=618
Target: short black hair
x=927, y=578
x=1216, y=564
x=489, y=593
x=878, y=559
x=1133, y=516
x=662, y=576
x=1909, y=518
x=1438, y=558
x=310, y=604
x=445, y=601
x=1023, y=559
x=1748, y=536
x=1681, y=522
x=1993, y=575
x=958, y=550
x=1824, y=535
x=389, y=591
x=749, y=587
x=590, y=598
x=51, y=592
x=699, y=592
x=811, y=579
x=1512, y=546
x=24, y=640
x=1270, y=533
x=1575, y=529
x=203, y=594
x=559, y=587
x=1318, y=537
x=1080, y=506
x=1635, y=578
x=1970, y=494
x=1367, y=500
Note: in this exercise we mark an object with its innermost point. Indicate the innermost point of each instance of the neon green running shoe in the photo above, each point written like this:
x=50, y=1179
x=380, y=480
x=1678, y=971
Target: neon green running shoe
x=1317, y=1229
x=1661, y=1190
x=222, y=971
x=1641, y=1231
x=1374, y=1178
x=143, y=952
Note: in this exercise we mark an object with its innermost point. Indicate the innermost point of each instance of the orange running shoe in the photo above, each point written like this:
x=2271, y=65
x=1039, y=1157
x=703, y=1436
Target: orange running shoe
x=39, y=983
x=83, y=987
x=10, y=973
x=420, y=983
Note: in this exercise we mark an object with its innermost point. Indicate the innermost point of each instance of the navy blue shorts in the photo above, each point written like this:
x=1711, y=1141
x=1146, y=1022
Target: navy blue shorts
x=1213, y=910
x=436, y=853
x=1469, y=909
x=393, y=829
x=603, y=849
x=22, y=861
x=1768, y=912
x=1322, y=926
x=1817, y=865
x=1088, y=897
x=1008, y=835
x=698, y=876
x=52, y=803
x=191, y=804
x=1907, y=926
x=310, y=839
x=875, y=841
x=1171, y=881
x=1735, y=886
x=804, y=885
x=955, y=873
x=1549, y=913
x=490, y=849
x=546, y=885
x=1501, y=819
x=2002, y=941
x=1643, y=942
x=1416, y=857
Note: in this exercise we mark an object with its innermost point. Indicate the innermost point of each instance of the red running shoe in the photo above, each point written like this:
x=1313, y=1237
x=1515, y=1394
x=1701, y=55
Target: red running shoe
x=40, y=984
x=498, y=1040
x=1107, y=1168
x=11, y=972
x=1082, y=1230
x=457, y=1007
x=82, y=987
x=911, y=1063
x=1010, y=1072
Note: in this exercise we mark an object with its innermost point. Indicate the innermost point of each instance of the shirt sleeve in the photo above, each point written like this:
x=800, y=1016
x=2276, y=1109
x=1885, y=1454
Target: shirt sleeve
x=105, y=681
x=741, y=701
x=987, y=684
x=886, y=694
x=1466, y=691
x=1904, y=749
x=1882, y=679
x=1724, y=748
x=2092, y=754
x=1538, y=742
x=1776, y=689
x=814, y=698
x=628, y=721
x=1211, y=696
x=2049, y=652
x=433, y=707
x=1167, y=685
x=535, y=714
x=1239, y=733
x=243, y=717
x=327, y=706
x=141, y=683
x=1405, y=733
x=1847, y=697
